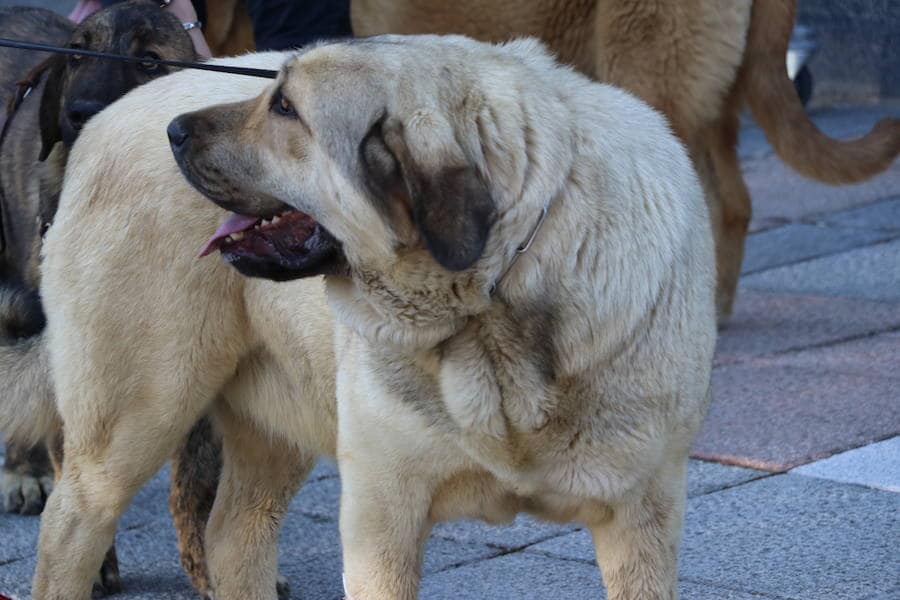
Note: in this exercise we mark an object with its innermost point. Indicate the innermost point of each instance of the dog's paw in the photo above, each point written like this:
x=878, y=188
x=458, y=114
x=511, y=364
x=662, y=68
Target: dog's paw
x=25, y=493
x=283, y=587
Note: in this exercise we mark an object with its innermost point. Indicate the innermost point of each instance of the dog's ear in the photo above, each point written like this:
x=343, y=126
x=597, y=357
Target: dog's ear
x=450, y=202
x=51, y=103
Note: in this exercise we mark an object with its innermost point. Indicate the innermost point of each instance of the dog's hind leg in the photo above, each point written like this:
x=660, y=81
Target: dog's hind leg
x=732, y=218
x=260, y=475
x=110, y=451
x=637, y=545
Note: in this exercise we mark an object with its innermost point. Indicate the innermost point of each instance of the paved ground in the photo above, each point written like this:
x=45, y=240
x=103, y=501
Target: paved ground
x=797, y=495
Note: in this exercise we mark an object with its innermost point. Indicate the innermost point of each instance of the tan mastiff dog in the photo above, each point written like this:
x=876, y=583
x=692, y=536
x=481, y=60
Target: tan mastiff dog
x=521, y=267
x=142, y=338
x=697, y=61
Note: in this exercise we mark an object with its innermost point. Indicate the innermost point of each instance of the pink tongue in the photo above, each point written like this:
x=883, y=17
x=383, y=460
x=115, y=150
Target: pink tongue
x=232, y=224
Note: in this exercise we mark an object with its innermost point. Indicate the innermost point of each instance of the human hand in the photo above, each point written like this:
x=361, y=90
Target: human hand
x=184, y=12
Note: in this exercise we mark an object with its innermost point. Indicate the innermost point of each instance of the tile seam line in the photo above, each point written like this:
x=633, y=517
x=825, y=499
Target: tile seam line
x=501, y=550
x=892, y=239
x=582, y=561
x=816, y=346
x=890, y=236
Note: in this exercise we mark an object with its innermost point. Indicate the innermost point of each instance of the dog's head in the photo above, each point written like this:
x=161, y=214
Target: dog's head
x=386, y=159
x=78, y=87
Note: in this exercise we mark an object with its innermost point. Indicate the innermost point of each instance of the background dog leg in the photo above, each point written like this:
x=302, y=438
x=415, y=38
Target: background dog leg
x=734, y=212
x=637, y=546
x=196, y=466
x=259, y=477
x=27, y=479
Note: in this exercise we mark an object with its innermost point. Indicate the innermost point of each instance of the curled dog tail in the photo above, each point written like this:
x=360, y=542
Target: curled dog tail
x=27, y=402
x=778, y=110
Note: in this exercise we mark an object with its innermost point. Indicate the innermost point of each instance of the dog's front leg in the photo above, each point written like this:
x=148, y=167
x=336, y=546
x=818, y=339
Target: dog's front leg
x=384, y=525
x=637, y=545
x=386, y=489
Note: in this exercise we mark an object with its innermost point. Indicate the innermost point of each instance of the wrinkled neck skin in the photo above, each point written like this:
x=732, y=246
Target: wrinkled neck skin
x=412, y=314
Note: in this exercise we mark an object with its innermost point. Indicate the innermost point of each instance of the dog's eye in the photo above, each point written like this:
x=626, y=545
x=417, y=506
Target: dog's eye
x=283, y=107
x=149, y=67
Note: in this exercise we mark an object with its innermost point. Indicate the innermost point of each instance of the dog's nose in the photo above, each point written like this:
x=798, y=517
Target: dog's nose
x=80, y=111
x=178, y=133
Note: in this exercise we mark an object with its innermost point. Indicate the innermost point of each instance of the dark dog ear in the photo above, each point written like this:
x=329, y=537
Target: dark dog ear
x=450, y=202
x=51, y=104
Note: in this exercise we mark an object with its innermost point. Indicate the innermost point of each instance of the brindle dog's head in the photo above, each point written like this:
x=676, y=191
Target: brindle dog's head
x=78, y=87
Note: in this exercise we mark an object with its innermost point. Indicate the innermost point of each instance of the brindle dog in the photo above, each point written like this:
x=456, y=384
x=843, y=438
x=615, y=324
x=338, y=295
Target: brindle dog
x=63, y=93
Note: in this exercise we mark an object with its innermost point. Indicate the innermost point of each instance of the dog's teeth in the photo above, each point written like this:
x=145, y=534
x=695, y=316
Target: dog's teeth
x=236, y=237
x=228, y=239
x=275, y=219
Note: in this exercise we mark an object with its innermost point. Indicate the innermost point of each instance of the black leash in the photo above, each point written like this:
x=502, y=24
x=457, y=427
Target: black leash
x=181, y=64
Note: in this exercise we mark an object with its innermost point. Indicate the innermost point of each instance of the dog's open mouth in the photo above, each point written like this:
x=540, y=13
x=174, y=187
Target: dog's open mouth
x=287, y=246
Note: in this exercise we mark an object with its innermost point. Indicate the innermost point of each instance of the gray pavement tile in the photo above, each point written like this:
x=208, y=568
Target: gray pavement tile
x=872, y=272
x=15, y=577
x=797, y=242
x=775, y=417
x=875, y=355
x=707, y=477
x=876, y=465
x=523, y=531
x=780, y=195
x=529, y=576
x=891, y=595
x=784, y=536
x=884, y=215
x=18, y=535
x=319, y=500
x=795, y=537
x=149, y=564
x=149, y=504
x=769, y=322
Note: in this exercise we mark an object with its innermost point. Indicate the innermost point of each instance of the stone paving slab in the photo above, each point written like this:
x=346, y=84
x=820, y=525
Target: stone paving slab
x=776, y=417
x=532, y=577
x=794, y=243
x=876, y=355
x=780, y=195
x=708, y=477
x=876, y=465
x=771, y=322
x=784, y=536
x=309, y=545
x=882, y=216
x=872, y=272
